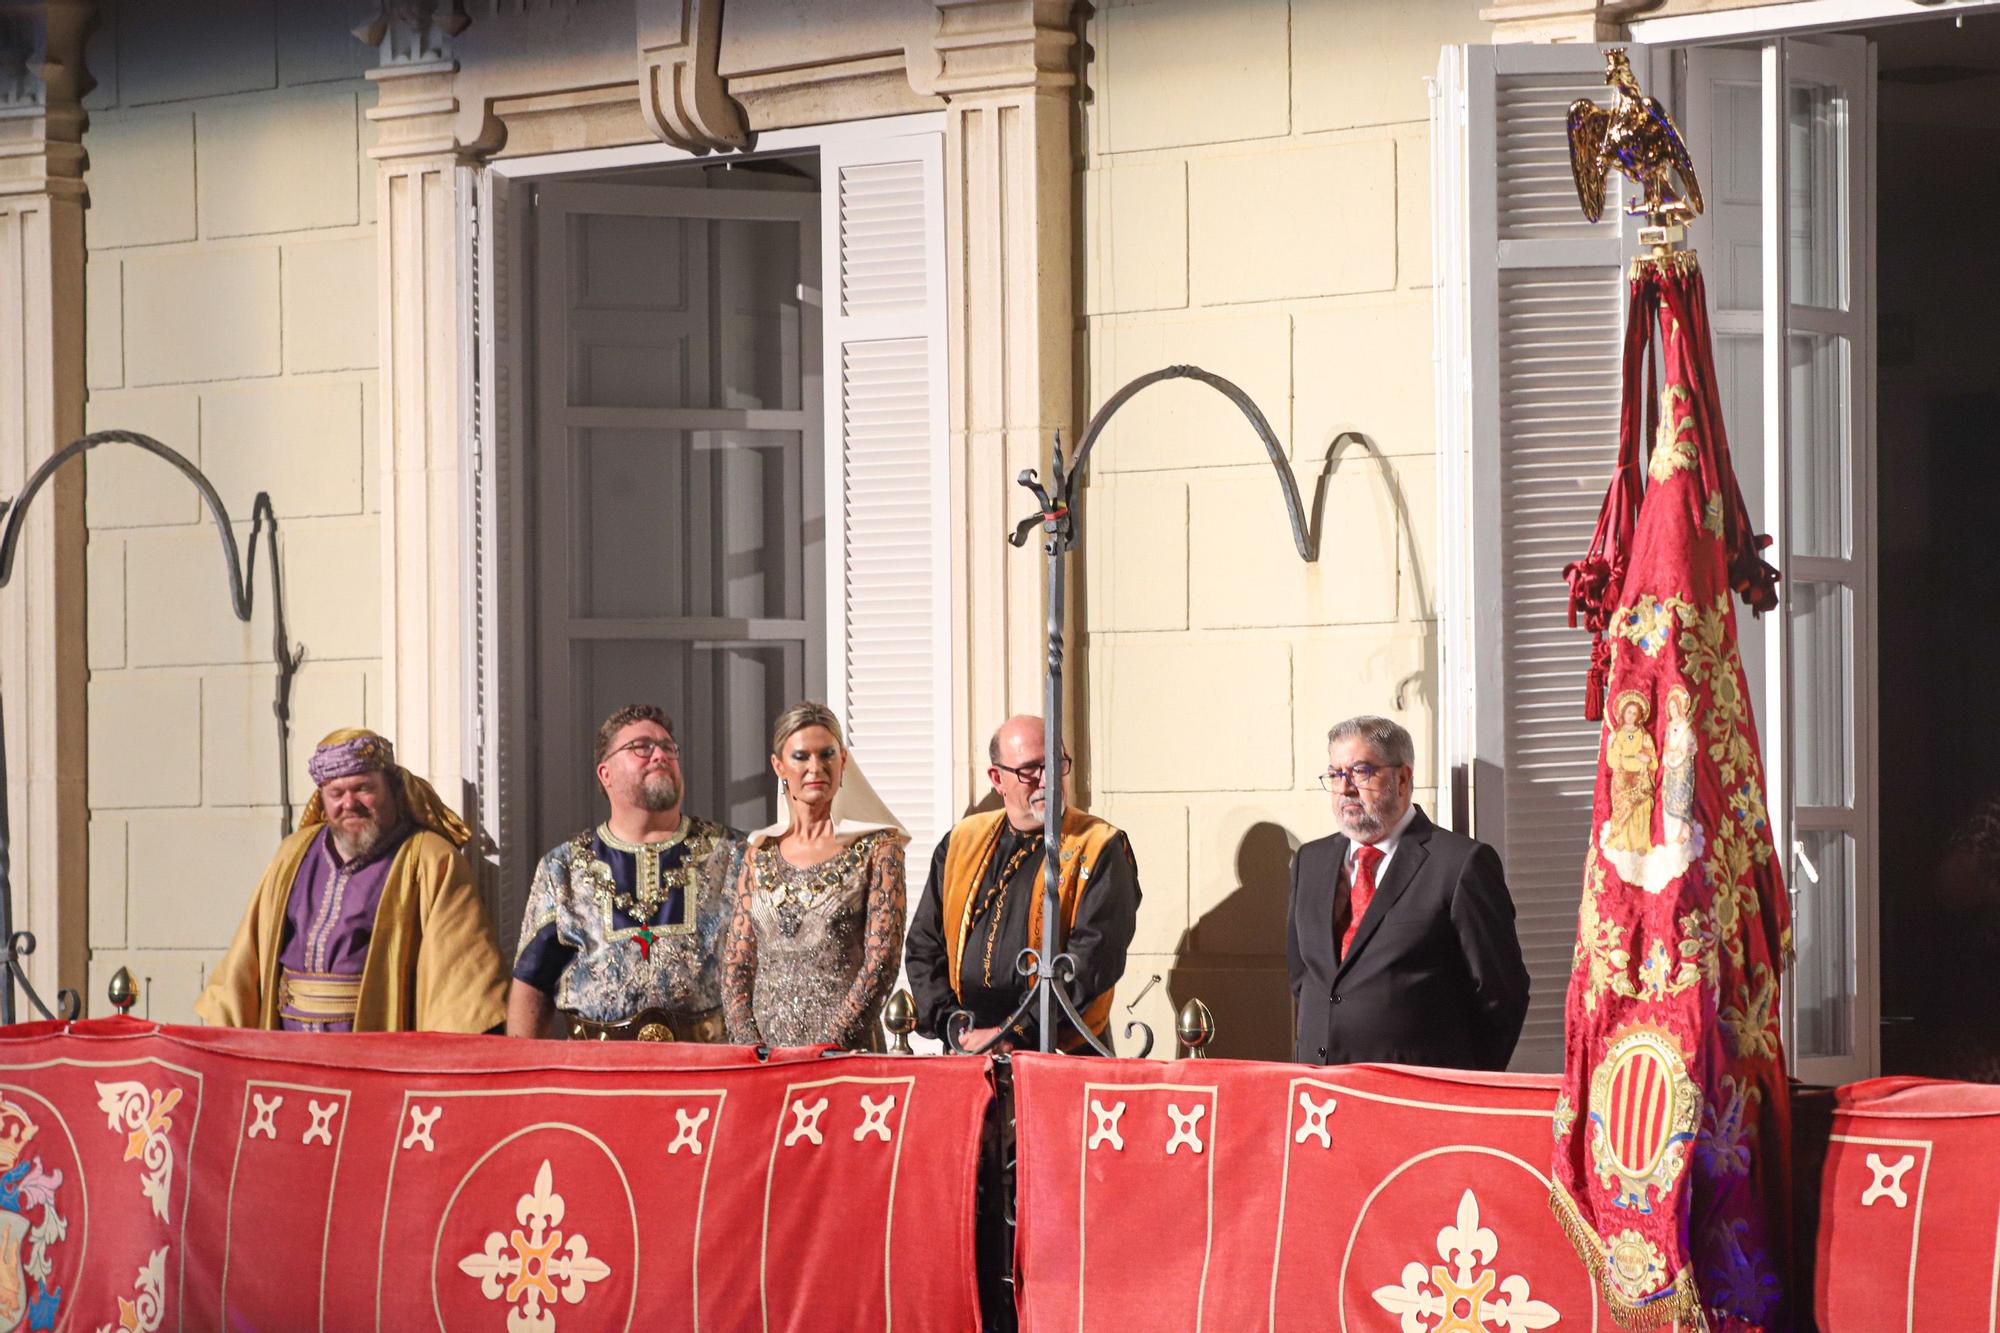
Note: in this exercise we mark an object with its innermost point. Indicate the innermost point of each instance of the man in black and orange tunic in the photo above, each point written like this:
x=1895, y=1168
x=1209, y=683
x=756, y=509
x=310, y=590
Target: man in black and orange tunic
x=983, y=905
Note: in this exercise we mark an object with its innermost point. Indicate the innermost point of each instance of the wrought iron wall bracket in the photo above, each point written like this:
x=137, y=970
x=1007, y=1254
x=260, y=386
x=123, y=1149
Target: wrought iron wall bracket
x=15, y=945
x=1056, y=516
x=1058, y=500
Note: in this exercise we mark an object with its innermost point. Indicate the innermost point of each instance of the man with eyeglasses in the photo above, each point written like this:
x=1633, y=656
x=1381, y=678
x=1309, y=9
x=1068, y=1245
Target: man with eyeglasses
x=983, y=904
x=1400, y=940
x=622, y=935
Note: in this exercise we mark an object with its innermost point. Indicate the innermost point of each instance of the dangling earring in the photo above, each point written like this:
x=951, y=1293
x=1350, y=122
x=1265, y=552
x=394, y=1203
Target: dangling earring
x=784, y=787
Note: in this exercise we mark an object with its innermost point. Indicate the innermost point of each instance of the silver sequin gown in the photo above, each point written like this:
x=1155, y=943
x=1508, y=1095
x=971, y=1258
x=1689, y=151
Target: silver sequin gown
x=812, y=953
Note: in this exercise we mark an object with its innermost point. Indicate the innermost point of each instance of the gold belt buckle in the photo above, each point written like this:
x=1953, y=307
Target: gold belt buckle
x=655, y=1032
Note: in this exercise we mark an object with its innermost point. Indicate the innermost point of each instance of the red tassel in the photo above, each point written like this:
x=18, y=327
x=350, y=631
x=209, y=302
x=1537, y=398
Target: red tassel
x=1589, y=581
x=1597, y=679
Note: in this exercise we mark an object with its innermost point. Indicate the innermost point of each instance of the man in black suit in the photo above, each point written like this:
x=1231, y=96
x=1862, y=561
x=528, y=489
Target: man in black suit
x=1400, y=940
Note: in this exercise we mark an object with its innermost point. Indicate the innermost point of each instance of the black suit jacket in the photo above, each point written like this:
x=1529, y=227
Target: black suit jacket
x=1435, y=975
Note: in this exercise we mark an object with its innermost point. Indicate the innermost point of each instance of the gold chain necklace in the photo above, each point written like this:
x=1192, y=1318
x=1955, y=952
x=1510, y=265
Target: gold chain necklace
x=795, y=891
x=996, y=902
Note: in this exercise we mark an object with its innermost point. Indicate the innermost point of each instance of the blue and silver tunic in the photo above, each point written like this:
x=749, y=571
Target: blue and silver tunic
x=613, y=927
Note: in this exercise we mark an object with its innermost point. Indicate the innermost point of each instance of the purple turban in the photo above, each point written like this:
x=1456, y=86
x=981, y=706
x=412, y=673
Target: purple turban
x=349, y=752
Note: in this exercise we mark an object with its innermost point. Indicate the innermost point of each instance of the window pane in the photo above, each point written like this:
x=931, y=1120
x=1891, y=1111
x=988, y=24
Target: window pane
x=1822, y=658
x=1816, y=195
x=638, y=316
x=722, y=698
x=1735, y=199
x=684, y=313
x=1822, y=931
x=1819, y=459
x=757, y=315
x=688, y=523
x=1739, y=370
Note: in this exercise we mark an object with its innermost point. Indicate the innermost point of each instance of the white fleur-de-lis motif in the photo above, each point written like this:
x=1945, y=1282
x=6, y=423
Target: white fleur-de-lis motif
x=1458, y=1294
x=1185, y=1122
x=689, y=1133
x=875, y=1118
x=147, y=1116
x=1314, y=1125
x=322, y=1125
x=1107, y=1125
x=420, y=1126
x=533, y=1271
x=1888, y=1183
x=266, y=1120
x=806, y=1124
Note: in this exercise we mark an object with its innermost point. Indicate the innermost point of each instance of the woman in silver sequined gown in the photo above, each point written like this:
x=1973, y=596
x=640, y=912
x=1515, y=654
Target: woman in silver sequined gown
x=816, y=931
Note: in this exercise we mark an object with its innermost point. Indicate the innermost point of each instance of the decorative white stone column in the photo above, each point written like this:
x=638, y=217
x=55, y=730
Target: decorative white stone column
x=1008, y=77
x=418, y=187
x=42, y=649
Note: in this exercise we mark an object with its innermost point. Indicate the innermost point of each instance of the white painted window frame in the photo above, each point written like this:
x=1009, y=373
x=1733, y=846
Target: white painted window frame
x=1768, y=25
x=1794, y=20
x=1465, y=731
x=494, y=367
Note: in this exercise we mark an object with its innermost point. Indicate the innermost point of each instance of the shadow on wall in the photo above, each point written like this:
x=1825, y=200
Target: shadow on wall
x=1248, y=993
x=1232, y=958
x=1425, y=680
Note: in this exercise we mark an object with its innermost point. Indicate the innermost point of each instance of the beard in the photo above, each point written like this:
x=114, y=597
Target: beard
x=358, y=840
x=1365, y=823
x=656, y=793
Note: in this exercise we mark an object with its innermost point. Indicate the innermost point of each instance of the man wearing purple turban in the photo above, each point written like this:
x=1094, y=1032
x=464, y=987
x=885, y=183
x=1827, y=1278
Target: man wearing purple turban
x=367, y=919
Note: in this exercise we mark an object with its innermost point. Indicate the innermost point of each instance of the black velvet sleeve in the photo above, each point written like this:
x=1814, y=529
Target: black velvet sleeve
x=924, y=957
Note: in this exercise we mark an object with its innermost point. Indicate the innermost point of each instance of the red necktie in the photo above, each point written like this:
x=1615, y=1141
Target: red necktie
x=1360, y=893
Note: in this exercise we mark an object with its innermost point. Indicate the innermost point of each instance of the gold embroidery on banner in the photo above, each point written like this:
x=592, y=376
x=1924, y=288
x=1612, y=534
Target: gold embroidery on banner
x=1752, y=1016
x=1644, y=1111
x=1677, y=756
x=1740, y=844
x=1632, y=758
x=1663, y=972
x=1711, y=516
x=1647, y=624
x=1673, y=451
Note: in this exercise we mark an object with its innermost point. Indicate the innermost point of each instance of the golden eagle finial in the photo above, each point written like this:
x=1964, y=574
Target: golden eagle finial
x=1637, y=136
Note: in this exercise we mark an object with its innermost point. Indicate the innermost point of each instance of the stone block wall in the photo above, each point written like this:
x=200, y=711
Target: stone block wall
x=1255, y=197
x=231, y=312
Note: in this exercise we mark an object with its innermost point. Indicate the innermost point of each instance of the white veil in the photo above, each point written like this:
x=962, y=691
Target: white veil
x=856, y=810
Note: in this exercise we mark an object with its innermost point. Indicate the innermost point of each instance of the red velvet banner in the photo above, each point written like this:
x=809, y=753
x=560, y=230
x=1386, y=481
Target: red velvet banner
x=156, y=1178
x=1900, y=1204
x=1228, y=1194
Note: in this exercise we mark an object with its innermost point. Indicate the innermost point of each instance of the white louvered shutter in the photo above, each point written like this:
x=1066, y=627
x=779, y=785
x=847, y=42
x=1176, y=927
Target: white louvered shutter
x=1529, y=348
x=889, y=593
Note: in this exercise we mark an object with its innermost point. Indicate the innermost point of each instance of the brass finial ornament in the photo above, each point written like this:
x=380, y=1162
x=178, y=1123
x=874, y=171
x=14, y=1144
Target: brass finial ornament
x=123, y=991
x=899, y=1016
x=1637, y=136
x=1196, y=1029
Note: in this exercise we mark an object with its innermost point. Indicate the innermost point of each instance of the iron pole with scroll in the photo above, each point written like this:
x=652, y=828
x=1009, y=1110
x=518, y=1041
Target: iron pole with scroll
x=1048, y=968
x=14, y=945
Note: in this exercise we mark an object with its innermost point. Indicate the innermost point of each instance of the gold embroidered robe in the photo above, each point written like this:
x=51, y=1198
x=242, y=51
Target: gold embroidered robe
x=432, y=964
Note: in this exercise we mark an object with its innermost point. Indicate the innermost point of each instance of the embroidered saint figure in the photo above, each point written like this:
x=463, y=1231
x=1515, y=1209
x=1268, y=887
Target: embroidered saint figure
x=1632, y=758
x=1677, y=768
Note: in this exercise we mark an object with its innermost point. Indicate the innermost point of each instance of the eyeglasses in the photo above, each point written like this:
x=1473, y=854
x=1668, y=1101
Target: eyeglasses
x=1033, y=775
x=1364, y=774
x=645, y=747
